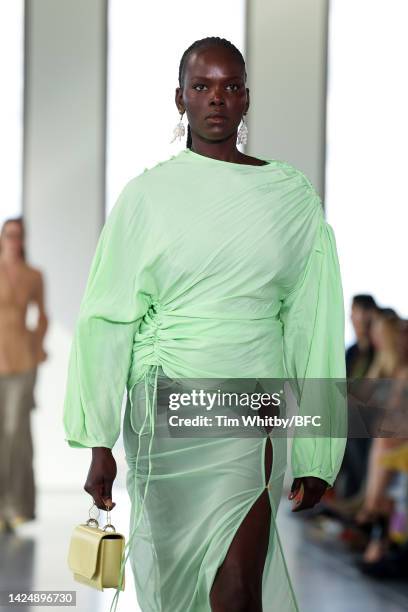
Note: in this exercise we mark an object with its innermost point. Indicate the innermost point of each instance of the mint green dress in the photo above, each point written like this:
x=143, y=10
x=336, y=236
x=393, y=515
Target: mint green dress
x=205, y=269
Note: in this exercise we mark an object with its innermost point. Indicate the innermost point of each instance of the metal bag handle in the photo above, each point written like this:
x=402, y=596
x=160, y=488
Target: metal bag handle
x=93, y=522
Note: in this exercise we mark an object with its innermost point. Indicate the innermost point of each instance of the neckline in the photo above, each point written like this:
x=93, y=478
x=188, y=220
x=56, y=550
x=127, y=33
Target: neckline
x=205, y=158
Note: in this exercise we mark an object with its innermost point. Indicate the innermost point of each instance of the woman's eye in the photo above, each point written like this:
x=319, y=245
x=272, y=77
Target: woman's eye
x=199, y=85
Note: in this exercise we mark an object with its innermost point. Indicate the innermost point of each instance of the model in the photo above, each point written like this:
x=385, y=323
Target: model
x=212, y=264
x=21, y=352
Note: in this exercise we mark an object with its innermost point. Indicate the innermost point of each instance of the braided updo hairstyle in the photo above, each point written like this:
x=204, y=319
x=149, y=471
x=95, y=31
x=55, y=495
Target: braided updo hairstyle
x=201, y=44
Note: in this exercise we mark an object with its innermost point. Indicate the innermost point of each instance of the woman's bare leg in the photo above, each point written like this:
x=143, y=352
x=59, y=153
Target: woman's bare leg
x=237, y=585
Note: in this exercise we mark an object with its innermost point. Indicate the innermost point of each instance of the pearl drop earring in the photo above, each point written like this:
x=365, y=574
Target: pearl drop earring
x=179, y=130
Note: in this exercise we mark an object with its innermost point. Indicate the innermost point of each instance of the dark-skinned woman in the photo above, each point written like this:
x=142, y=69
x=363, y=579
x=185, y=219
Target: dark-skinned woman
x=212, y=265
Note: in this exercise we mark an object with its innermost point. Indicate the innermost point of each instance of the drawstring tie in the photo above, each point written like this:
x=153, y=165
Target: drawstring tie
x=149, y=414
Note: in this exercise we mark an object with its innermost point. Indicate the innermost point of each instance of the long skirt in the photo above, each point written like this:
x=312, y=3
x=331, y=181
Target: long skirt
x=188, y=498
x=17, y=487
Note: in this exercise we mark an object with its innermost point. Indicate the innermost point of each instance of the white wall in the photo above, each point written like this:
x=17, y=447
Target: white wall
x=287, y=82
x=366, y=146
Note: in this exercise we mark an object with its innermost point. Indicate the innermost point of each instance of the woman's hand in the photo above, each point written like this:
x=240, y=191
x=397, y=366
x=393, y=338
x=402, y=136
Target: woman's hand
x=41, y=355
x=37, y=349
x=100, y=478
x=307, y=492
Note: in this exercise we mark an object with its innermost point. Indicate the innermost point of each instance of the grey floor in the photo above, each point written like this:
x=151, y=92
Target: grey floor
x=325, y=577
x=323, y=573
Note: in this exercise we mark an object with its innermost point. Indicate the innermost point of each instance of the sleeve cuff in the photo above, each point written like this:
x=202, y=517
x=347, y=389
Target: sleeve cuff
x=87, y=443
x=319, y=474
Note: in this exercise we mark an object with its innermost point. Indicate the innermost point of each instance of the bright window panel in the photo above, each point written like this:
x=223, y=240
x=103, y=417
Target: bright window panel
x=367, y=132
x=145, y=43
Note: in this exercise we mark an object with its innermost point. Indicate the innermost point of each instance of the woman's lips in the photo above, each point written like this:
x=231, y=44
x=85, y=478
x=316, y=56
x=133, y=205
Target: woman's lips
x=216, y=119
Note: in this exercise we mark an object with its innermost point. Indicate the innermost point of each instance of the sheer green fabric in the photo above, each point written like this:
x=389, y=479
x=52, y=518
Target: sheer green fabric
x=205, y=269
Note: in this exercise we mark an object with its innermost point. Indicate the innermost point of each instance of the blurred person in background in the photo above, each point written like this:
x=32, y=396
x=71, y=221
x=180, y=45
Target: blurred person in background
x=359, y=355
x=394, y=562
x=367, y=513
x=359, y=358
x=390, y=336
x=21, y=351
x=384, y=331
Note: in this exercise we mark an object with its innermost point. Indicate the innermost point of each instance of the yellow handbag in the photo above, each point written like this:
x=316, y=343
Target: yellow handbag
x=95, y=555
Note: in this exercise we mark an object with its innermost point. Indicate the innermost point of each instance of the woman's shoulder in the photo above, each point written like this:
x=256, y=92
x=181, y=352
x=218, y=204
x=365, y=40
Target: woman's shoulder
x=299, y=195
x=293, y=171
x=150, y=173
x=135, y=193
x=32, y=271
x=31, y=276
x=157, y=167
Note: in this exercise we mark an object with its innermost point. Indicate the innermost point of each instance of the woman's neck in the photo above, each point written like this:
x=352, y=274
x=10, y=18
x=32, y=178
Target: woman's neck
x=10, y=260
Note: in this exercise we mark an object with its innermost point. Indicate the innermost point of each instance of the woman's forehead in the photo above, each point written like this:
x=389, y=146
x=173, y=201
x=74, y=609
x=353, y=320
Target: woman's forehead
x=12, y=226
x=204, y=62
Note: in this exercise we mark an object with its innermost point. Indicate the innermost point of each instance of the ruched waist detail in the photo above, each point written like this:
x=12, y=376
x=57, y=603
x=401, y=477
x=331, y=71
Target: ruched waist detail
x=189, y=345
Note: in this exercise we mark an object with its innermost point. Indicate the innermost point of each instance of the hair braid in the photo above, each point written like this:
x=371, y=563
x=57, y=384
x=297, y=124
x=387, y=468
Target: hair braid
x=201, y=44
